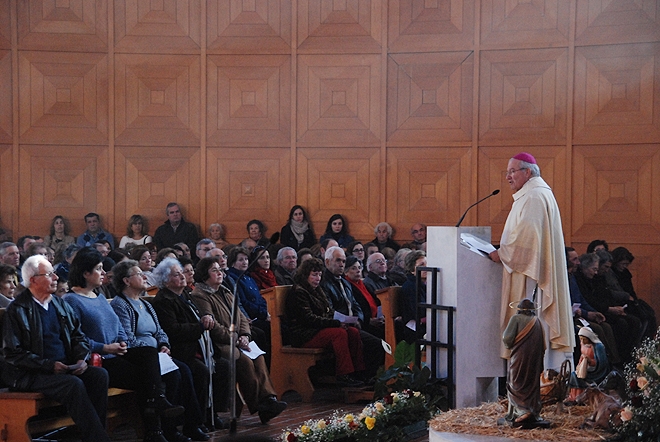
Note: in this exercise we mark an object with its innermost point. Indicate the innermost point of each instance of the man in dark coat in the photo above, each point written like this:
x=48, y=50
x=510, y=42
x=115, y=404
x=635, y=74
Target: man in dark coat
x=175, y=230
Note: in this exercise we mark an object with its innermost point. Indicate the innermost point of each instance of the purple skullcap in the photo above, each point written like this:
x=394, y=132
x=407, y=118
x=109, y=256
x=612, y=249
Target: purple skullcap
x=526, y=157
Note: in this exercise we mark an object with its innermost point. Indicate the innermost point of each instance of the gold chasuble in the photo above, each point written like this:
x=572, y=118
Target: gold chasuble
x=532, y=247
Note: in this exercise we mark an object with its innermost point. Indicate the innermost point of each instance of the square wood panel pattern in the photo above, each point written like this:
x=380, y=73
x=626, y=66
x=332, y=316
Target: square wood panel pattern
x=552, y=161
x=5, y=25
x=247, y=183
x=6, y=114
x=157, y=100
x=63, y=97
x=523, y=97
x=617, y=94
x=249, y=100
x=68, y=180
x=78, y=26
x=430, y=25
x=163, y=26
x=148, y=178
x=429, y=97
x=249, y=27
x=613, y=193
x=429, y=184
x=617, y=21
x=340, y=180
x=524, y=24
x=339, y=100
x=344, y=26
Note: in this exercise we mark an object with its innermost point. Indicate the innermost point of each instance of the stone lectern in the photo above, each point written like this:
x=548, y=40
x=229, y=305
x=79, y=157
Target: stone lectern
x=473, y=284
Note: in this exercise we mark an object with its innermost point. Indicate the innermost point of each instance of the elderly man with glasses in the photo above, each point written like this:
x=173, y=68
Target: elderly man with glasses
x=532, y=254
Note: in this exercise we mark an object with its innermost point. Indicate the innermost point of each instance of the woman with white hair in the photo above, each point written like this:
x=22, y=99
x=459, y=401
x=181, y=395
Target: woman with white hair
x=384, y=232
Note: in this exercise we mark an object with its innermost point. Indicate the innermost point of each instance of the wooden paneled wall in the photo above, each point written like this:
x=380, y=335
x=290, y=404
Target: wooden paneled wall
x=399, y=110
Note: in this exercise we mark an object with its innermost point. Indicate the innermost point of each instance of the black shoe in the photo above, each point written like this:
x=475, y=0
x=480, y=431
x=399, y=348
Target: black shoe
x=218, y=424
x=162, y=407
x=347, y=381
x=155, y=436
x=176, y=436
x=270, y=408
x=195, y=434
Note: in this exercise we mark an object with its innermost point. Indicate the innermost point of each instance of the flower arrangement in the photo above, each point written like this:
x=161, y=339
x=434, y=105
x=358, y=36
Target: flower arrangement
x=383, y=420
x=640, y=417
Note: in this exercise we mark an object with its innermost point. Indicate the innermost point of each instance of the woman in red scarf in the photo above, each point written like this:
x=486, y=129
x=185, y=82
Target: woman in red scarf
x=353, y=274
x=262, y=273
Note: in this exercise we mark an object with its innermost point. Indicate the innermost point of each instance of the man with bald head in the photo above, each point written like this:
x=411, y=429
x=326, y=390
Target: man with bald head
x=532, y=254
x=418, y=233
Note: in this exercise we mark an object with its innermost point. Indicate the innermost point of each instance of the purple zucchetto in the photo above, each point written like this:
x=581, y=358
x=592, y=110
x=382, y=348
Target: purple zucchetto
x=526, y=157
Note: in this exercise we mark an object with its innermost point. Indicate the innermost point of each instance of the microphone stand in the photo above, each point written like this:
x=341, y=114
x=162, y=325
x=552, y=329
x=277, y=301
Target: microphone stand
x=233, y=337
x=495, y=192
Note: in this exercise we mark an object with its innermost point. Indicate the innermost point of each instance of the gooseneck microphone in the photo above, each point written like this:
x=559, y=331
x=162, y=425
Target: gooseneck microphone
x=495, y=192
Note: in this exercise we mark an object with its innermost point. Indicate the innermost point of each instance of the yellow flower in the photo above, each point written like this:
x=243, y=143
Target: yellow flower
x=642, y=382
x=348, y=418
x=626, y=414
x=395, y=398
x=380, y=407
x=305, y=429
x=321, y=424
x=417, y=394
x=370, y=422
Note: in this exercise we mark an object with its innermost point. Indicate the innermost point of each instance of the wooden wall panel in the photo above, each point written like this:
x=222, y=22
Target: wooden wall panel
x=613, y=198
x=147, y=178
x=553, y=162
x=157, y=100
x=8, y=179
x=340, y=180
x=63, y=98
x=430, y=185
x=252, y=27
x=70, y=180
x=166, y=26
x=6, y=117
x=249, y=100
x=543, y=23
x=617, y=21
x=430, y=26
x=80, y=26
x=617, y=94
x=247, y=183
x=429, y=98
x=348, y=26
x=523, y=97
x=339, y=100
x=5, y=25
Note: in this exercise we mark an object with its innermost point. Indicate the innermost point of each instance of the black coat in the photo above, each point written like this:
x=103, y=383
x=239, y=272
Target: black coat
x=288, y=239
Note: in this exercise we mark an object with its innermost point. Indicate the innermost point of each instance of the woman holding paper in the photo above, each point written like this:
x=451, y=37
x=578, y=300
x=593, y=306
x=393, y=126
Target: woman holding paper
x=312, y=324
x=140, y=323
x=134, y=368
x=212, y=298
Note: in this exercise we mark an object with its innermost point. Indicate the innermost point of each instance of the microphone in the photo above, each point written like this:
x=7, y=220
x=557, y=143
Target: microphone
x=495, y=192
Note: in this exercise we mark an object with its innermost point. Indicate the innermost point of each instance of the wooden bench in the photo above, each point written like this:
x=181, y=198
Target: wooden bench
x=389, y=301
x=288, y=365
x=23, y=413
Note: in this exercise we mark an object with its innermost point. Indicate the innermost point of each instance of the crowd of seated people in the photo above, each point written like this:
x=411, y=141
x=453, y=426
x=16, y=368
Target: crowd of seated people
x=190, y=282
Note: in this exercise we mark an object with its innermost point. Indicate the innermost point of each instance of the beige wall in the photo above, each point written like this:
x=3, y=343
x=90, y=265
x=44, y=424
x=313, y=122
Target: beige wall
x=400, y=110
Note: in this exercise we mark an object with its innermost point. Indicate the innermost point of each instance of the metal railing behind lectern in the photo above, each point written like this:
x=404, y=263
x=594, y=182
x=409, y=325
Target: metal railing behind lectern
x=435, y=341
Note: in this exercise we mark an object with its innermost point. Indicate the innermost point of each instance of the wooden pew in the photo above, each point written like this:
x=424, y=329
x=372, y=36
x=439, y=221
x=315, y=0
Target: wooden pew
x=19, y=412
x=389, y=301
x=288, y=365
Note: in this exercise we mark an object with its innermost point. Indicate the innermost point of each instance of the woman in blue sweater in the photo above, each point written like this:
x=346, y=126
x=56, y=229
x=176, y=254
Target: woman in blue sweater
x=134, y=368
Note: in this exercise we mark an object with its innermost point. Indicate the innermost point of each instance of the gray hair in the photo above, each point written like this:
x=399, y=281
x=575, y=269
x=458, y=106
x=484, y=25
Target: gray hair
x=203, y=242
x=280, y=253
x=371, y=259
x=587, y=260
x=31, y=268
x=534, y=168
x=389, y=228
x=400, y=257
x=331, y=251
x=5, y=245
x=164, y=269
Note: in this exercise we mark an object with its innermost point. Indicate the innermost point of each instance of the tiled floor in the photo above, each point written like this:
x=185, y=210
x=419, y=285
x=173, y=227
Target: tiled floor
x=325, y=402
